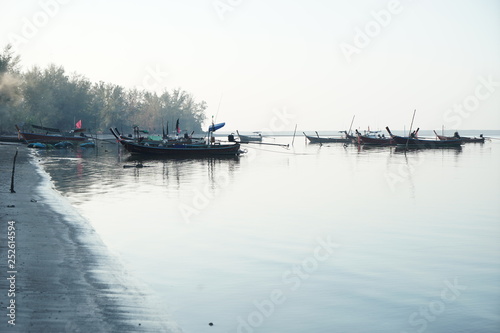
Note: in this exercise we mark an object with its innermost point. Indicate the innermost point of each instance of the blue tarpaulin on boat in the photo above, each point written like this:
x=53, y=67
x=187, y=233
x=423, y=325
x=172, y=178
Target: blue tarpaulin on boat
x=215, y=127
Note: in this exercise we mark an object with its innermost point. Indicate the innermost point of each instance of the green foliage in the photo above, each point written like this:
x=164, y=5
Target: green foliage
x=52, y=98
x=8, y=61
x=10, y=91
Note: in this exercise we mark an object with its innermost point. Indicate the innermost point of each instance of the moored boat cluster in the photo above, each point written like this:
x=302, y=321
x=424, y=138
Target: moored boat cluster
x=188, y=146
x=376, y=138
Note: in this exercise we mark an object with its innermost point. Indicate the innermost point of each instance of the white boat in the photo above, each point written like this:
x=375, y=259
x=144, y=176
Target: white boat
x=257, y=137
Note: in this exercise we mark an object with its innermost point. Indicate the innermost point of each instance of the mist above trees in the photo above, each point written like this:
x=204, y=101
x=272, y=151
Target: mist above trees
x=53, y=98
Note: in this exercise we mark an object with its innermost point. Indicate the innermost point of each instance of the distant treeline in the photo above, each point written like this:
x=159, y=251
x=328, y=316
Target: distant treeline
x=50, y=97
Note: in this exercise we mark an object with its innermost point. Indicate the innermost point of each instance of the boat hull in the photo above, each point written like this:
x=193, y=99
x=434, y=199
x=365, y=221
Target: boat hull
x=423, y=143
x=365, y=140
x=249, y=138
x=472, y=140
x=245, y=138
x=184, y=150
x=463, y=138
x=314, y=139
x=179, y=150
x=48, y=138
x=10, y=138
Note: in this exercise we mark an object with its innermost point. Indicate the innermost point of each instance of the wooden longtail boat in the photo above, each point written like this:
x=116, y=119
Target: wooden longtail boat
x=463, y=138
x=58, y=136
x=178, y=149
x=414, y=142
x=374, y=139
x=250, y=138
x=318, y=139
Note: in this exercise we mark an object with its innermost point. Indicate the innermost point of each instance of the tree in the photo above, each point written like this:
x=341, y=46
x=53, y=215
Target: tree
x=10, y=92
x=9, y=63
x=52, y=98
x=181, y=105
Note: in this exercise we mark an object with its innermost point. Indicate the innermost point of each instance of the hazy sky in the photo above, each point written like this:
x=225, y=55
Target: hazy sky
x=273, y=64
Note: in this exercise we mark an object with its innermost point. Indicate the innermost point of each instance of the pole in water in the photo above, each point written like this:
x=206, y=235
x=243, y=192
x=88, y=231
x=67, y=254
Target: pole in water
x=294, y=131
x=350, y=127
x=13, y=171
x=349, y=132
x=411, y=125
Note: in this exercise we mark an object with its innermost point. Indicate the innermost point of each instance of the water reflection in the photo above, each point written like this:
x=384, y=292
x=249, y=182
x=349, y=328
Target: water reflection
x=403, y=150
x=217, y=235
x=373, y=149
x=87, y=171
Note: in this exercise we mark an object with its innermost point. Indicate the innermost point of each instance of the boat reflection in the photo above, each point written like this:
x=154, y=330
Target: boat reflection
x=74, y=171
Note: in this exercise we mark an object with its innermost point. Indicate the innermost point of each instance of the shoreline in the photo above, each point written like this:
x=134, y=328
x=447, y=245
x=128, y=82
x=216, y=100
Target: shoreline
x=64, y=278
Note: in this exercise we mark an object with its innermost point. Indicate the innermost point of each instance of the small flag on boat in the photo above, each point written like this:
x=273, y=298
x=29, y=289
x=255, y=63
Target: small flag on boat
x=177, y=128
x=78, y=124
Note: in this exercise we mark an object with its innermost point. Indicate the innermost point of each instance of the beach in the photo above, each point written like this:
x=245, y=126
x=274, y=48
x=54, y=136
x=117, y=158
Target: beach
x=57, y=275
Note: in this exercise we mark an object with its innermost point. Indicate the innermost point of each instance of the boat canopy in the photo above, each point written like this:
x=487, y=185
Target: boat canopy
x=215, y=127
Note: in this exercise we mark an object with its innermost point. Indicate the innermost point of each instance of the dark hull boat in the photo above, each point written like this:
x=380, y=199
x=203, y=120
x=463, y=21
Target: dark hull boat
x=179, y=150
x=11, y=138
x=374, y=140
x=365, y=140
x=463, y=138
x=51, y=138
x=412, y=142
x=472, y=140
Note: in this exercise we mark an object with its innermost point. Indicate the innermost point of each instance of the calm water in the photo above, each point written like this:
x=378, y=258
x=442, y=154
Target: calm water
x=310, y=239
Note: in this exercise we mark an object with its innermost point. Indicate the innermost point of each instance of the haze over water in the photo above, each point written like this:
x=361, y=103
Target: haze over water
x=310, y=239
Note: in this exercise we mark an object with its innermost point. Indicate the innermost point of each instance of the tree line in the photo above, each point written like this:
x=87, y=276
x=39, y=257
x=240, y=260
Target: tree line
x=53, y=98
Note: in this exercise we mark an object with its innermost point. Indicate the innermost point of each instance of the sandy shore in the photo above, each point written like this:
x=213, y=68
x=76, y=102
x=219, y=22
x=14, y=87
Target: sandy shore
x=64, y=279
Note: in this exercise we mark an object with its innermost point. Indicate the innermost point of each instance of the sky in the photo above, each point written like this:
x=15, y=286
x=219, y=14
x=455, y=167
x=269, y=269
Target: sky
x=272, y=65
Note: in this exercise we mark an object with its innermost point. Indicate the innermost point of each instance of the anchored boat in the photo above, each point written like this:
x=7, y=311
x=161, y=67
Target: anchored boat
x=166, y=149
x=414, y=142
x=457, y=136
x=52, y=135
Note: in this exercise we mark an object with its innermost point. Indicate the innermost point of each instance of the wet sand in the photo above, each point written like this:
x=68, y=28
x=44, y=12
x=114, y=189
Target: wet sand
x=65, y=279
